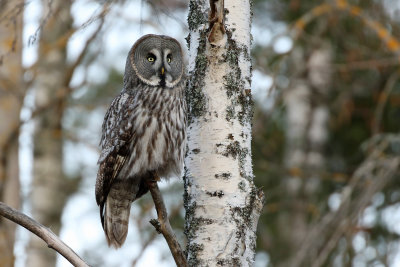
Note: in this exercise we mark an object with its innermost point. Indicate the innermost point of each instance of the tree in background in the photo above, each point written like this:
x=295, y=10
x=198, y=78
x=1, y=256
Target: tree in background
x=328, y=156
x=12, y=92
x=50, y=187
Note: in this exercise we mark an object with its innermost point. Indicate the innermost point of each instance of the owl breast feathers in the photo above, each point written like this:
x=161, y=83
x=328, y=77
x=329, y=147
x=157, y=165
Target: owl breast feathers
x=143, y=133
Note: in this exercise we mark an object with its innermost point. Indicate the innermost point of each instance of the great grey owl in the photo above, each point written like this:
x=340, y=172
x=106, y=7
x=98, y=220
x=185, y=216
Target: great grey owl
x=143, y=132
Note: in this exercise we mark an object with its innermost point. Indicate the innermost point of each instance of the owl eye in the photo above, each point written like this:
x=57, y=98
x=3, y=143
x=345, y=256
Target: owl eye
x=169, y=58
x=151, y=58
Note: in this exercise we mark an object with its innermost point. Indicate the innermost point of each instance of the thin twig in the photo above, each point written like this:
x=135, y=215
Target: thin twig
x=367, y=64
x=386, y=172
x=71, y=69
x=52, y=240
x=163, y=226
x=149, y=241
x=382, y=100
x=145, y=245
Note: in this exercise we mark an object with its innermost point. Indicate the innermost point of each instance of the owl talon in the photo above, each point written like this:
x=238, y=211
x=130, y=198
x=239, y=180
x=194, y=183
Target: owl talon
x=154, y=178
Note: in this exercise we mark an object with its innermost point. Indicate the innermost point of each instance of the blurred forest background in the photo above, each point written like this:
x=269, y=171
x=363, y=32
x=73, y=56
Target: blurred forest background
x=326, y=140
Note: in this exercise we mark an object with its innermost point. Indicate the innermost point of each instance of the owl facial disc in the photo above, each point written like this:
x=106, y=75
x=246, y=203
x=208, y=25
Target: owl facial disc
x=157, y=60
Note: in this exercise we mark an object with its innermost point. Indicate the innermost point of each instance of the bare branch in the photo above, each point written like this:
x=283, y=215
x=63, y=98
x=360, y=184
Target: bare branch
x=369, y=178
x=43, y=232
x=385, y=173
x=173, y=212
x=79, y=59
x=163, y=226
x=367, y=64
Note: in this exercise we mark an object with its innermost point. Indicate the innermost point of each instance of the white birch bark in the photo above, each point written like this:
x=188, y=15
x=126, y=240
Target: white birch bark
x=222, y=204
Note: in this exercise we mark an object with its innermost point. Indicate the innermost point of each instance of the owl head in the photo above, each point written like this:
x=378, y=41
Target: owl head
x=156, y=60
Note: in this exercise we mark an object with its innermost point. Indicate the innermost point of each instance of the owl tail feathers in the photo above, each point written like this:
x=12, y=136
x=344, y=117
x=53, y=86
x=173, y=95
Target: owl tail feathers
x=116, y=221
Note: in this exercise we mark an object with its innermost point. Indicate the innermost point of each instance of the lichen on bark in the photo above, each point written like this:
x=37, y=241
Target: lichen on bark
x=196, y=16
x=218, y=175
x=195, y=98
x=234, y=84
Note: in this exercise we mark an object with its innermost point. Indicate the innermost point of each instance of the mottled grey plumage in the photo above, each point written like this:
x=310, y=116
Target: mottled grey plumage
x=143, y=132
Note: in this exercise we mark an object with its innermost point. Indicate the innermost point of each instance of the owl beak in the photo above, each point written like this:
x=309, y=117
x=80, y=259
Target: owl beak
x=162, y=76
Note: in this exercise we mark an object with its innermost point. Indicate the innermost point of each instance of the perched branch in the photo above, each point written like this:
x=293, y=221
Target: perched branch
x=174, y=212
x=43, y=232
x=163, y=226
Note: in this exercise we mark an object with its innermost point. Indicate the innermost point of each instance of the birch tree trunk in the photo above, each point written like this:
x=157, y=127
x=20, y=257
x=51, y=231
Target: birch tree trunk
x=307, y=133
x=11, y=99
x=222, y=204
x=50, y=188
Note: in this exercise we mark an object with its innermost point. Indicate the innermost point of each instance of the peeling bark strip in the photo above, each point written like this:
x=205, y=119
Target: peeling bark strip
x=216, y=20
x=222, y=204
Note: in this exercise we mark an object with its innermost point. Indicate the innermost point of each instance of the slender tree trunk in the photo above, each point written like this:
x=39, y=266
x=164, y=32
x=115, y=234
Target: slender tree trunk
x=307, y=133
x=50, y=188
x=222, y=204
x=11, y=98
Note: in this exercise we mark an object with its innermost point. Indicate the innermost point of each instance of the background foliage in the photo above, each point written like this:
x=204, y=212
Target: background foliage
x=326, y=143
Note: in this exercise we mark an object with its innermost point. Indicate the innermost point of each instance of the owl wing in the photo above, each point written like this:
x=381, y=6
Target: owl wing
x=117, y=134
